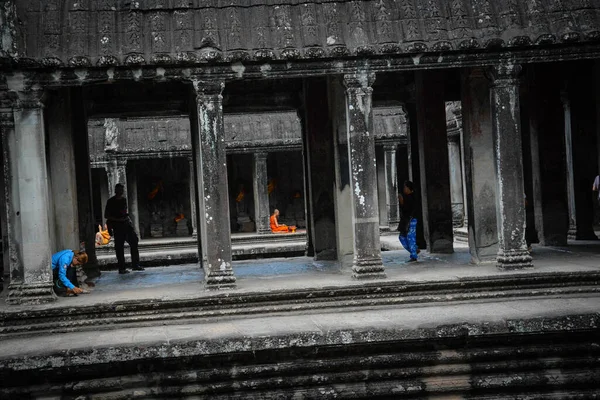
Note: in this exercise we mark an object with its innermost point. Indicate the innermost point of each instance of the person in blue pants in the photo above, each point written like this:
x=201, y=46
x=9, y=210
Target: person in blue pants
x=64, y=273
x=408, y=223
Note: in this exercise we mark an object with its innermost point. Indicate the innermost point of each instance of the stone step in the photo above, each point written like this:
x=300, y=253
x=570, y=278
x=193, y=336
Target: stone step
x=544, y=349
x=461, y=235
x=146, y=312
x=185, y=250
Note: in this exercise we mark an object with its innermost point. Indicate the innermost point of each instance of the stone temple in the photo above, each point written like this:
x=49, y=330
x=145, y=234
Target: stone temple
x=214, y=113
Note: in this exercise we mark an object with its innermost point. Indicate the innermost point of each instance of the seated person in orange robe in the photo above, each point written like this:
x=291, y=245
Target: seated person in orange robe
x=279, y=228
x=102, y=236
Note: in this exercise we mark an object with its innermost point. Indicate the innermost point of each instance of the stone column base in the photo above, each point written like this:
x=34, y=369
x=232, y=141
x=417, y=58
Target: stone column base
x=263, y=231
x=514, y=259
x=572, y=232
x=30, y=293
x=220, y=280
x=368, y=269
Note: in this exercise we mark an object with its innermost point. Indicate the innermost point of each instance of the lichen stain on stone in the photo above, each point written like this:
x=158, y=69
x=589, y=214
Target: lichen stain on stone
x=238, y=68
x=265, y=68
x=16, y=82
x=81, y=74
x=417, y=59
x=137, y=74
x=160, y=72
x=110, y=73
x=57, y=75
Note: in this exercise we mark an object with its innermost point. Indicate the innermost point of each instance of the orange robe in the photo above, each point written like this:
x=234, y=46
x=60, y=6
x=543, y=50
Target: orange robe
x=104, y=237
x=275, y=228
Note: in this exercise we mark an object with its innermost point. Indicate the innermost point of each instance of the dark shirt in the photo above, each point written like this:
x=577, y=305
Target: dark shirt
x=408, y=208
x=116, y=208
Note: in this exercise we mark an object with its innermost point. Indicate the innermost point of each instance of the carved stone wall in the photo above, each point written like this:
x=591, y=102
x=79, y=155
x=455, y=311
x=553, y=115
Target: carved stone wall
x=244, y=132
x=389, y=123
x=263, y=130
x=111, y=32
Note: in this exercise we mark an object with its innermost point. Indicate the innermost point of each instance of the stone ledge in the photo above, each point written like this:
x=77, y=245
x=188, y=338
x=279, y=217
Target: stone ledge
x=146, y=312
x=454, y=351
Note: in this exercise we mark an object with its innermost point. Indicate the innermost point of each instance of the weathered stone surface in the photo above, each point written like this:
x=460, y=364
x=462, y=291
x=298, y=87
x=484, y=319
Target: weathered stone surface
x=510, y=192
x=464, y=353
x=95, y=33
x=479, y=166
x=62, y=173
x=456, y=161
x=391, y=186
x=208, y=139
x=363, y=175
x=397, y=293
x=31, y=279
x=261, y=194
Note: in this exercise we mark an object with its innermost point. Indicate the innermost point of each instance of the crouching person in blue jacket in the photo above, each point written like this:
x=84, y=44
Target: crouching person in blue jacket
x=64, y=272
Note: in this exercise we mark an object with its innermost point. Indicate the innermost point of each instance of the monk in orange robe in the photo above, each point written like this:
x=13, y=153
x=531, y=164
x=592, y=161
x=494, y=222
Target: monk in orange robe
x=277, y=227
x=102, y=236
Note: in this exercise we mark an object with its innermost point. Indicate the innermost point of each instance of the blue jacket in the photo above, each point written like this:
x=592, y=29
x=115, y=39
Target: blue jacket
x=62, y=260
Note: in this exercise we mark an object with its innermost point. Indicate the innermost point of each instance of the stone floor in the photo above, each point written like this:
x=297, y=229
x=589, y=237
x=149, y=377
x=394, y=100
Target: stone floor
x=277, y=274
x=322, y=324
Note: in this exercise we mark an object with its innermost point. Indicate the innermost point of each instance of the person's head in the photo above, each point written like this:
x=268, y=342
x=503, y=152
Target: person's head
x=409, y=187
x=119, y=189
x=276, y=212
x=105, y=227
x=80, y=258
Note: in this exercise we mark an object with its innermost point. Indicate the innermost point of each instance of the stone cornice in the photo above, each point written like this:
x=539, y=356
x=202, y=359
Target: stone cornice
x=107, y=33
x=67, y=76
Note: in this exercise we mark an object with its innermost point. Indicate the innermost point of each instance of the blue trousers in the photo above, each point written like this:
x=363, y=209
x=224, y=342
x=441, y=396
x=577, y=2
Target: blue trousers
x=409, y=242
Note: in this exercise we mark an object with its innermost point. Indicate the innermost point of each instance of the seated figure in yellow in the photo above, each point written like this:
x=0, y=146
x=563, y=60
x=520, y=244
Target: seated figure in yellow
x=277, y=227
x=102, y=236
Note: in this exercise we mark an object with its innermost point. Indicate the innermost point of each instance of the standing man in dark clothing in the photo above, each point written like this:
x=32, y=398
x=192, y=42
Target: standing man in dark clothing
x=117, y=220
x=408, y=224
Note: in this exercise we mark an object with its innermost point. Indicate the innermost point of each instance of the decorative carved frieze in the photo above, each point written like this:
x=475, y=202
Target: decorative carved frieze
x=174, y=31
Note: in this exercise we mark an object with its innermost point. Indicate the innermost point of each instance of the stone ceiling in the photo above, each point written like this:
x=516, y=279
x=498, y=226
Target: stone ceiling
x=134, y=32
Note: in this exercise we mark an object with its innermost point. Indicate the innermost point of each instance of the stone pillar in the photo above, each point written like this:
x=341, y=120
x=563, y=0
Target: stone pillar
x=363, y=175
x=391, y=184
x=344, y=209
x=319, y=153
x=582, y=112
x=31, y=272
x=506, y=125
x=4, y=267
x=193, y=203
x=62, y=171
x=414, y=169
x=596, y=89
x=133, y=197
x=261, y=193
x=572, y=232
x=463, y=172
x=116, y=172
x=381, y=187
x=546, y=135
x=104, y=191
x=480, y=174
x=433, y=156
x=83, y=172
x=211, y=171
x=10, y=244
x=456, y=184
